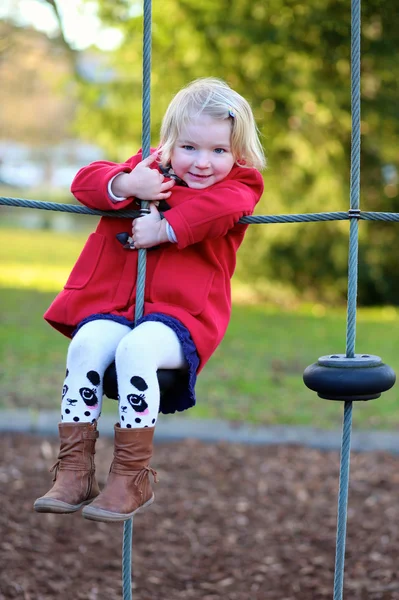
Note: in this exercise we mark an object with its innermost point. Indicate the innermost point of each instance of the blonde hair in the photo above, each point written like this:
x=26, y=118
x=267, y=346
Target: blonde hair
x=213, y=97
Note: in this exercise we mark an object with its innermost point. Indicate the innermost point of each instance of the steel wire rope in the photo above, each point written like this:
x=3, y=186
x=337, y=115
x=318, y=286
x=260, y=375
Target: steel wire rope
x=142, y=261
x=343, y=492
x=253, y=219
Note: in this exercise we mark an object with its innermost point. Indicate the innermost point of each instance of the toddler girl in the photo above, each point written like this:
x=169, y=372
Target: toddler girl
x=204, y=177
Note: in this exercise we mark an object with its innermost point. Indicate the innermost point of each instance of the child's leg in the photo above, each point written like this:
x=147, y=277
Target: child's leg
x=90, y=352
x=150, y=346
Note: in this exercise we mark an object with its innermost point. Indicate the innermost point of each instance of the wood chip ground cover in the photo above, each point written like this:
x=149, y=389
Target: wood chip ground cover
x=230, y=522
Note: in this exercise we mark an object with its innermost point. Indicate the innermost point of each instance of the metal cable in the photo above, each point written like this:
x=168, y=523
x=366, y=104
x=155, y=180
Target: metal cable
x=253, y=219
x=71, y=208
x=127, y=560
x=142, y=258
x=352, y=299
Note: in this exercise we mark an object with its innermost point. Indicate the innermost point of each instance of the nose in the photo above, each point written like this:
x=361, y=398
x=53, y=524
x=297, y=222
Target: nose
x=202, y=160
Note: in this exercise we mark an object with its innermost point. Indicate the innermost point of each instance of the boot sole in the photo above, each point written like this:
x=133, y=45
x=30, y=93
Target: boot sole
x=49, y=505
x=99, y=514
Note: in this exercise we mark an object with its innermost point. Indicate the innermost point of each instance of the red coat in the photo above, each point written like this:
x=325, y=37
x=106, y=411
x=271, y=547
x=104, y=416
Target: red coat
x=189, y=280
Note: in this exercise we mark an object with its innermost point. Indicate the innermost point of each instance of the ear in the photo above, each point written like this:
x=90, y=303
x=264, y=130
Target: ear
x=139, y=383
x=93, y=377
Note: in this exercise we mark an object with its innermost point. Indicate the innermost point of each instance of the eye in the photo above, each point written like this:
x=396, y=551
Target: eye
x=219, y=150
x=187, y=147
x=135, y=399
x=64, y=390
x=87, y=394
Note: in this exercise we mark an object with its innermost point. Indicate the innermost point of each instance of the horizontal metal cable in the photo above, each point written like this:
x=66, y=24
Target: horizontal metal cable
x=379, y=216
x=312, y=217
x=71, y=208
x=254, y=219
x=300, y=218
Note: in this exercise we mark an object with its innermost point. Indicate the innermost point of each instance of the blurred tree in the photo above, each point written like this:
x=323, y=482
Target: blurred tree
x=34, y=74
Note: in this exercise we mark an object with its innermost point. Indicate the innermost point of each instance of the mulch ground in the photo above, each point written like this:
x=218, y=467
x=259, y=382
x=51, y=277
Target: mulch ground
x=230, y=522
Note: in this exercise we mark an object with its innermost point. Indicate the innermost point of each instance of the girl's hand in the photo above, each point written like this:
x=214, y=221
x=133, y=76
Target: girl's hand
x=149, y=230
x=143, y=182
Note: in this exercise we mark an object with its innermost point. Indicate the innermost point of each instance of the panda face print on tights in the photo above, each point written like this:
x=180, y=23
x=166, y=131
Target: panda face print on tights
x=137, y=403
x=82, y=399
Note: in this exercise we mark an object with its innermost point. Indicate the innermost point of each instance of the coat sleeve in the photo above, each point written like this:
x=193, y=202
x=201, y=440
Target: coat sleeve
x=212, y=212
x=90, y=185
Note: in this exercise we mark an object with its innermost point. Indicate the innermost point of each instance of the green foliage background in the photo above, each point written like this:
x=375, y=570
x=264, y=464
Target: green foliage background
x=291, y=59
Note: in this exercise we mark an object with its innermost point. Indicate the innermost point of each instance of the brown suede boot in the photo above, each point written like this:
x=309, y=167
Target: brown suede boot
x=74, y=473
x=128, y=488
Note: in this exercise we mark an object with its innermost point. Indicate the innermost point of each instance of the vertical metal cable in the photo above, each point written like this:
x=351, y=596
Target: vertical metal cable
x=355, y=179
x=142, y=262
x=127, y=560
x=146, y=101
x=343, y=503
x=352, y=298
x=146, y=137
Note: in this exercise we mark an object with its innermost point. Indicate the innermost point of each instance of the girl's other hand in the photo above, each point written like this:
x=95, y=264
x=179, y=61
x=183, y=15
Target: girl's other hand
x=143, y=182
x=149, y=230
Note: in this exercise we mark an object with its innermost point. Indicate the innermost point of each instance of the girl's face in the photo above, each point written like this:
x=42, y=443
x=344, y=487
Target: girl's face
x=202, y=154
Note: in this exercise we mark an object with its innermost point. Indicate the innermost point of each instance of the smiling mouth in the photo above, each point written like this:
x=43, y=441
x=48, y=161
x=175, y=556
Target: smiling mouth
x=198, y=176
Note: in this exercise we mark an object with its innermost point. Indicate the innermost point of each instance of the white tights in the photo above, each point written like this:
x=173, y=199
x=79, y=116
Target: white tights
x=138, y=353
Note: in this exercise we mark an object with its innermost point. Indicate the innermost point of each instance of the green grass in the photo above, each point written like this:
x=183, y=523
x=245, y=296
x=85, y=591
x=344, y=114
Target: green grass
x=38, y=260
x=255, y=375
